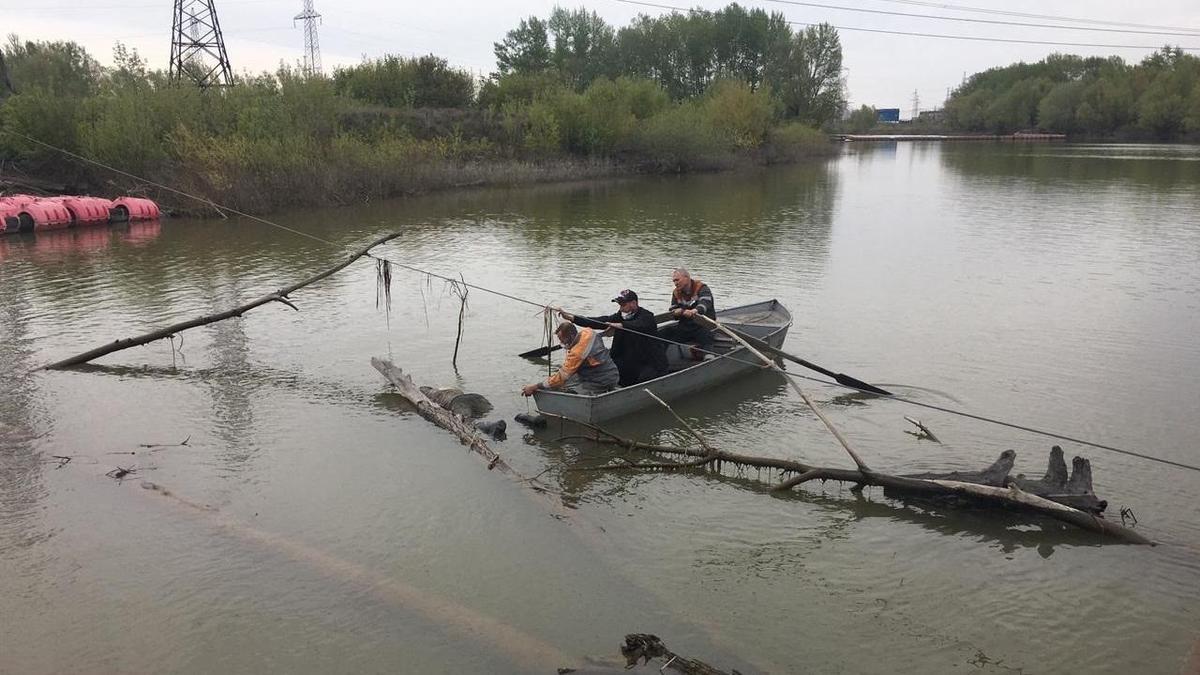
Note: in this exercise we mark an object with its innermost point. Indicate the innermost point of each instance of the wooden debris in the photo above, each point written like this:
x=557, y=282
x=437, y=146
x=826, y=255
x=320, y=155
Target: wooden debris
x=466, y=432
x=119, y=472
x=1003, y=492
x=279, y=296
x=644, y=647
x=440, y=416
x=180, y=444
x=922, y=430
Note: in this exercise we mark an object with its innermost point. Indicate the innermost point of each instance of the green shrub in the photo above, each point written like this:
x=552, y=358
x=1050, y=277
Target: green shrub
x=794, y=141
x=679, y=138
x=738, y=113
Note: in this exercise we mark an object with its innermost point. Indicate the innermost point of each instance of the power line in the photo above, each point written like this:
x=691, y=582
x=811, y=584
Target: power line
x=1027, y=15
x=46, y=8
x=484, y=289
x=943, y=36
x=996, y=22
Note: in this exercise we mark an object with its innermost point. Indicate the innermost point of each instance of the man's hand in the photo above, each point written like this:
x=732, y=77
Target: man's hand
x=567, y=316
x=689, y=313
x=615, y=325
x=677, y=312
x=528, y=389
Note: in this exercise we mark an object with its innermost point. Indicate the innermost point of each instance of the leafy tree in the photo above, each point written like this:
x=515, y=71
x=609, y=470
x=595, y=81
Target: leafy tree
x=584, y=46
x=1057, y=110
x=59, y=68
x=422, y=82
x=525, y=49
x=809, y=81
x=862, y=120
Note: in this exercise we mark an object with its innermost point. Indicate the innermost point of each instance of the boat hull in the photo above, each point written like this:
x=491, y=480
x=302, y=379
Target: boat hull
x=768, y=321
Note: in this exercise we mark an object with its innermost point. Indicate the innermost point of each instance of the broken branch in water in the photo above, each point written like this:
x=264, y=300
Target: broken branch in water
x=922, y=430
x=1068, y=500
x=162, y=333
x=120, y=472
x=166, y=445
x=461, y=291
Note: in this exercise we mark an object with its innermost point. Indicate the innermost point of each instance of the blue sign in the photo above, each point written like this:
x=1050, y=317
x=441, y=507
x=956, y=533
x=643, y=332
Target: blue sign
x=888, y=114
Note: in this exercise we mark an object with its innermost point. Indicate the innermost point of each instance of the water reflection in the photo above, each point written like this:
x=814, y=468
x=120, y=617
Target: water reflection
x=22, y=420
x=232, y=388
x=1152, y=166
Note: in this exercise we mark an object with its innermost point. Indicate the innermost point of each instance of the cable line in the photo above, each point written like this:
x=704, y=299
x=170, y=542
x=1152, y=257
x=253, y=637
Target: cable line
x=996, y=22
x=942, y=36
x=543, y=306
x=1028, y=15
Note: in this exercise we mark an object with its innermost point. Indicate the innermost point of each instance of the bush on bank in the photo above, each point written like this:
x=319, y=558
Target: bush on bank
x=287, y=139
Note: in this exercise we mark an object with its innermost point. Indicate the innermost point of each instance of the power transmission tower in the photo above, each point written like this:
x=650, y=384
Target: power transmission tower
x=197, y=46
x=312, y=48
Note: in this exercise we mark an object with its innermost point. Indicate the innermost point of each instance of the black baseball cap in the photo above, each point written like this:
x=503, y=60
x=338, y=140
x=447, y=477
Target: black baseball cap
x=625, y=296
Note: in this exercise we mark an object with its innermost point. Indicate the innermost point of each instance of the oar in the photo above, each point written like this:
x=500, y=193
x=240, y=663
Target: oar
x=545, y=351
x=758, y=344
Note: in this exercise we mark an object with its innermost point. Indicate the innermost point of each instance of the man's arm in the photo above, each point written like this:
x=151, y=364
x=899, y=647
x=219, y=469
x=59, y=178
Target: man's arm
x=704, y=302
x=600, y=322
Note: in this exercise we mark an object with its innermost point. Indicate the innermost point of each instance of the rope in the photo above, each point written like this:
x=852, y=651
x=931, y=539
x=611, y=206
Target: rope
x=539, y=305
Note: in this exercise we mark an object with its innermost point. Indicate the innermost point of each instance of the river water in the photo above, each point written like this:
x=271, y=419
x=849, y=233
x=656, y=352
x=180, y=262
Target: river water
x=313, y=523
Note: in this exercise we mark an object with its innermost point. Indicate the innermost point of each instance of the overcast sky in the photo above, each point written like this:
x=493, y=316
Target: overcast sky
x=881, y=69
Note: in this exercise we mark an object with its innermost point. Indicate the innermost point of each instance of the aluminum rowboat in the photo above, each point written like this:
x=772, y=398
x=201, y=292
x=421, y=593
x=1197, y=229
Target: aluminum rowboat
x=768, y=321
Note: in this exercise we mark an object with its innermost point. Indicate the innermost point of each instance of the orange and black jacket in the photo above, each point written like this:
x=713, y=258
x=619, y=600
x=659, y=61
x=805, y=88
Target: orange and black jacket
x=696, y=296
x=587, y=352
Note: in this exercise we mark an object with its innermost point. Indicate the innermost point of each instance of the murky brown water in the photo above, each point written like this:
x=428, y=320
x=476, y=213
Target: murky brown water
x=314, y=524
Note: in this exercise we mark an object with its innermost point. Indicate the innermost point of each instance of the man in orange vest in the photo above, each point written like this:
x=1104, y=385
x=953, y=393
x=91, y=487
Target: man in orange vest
x=587, y=368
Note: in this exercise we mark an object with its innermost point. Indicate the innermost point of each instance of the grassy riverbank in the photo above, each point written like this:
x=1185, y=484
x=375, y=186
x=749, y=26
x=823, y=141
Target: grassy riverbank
x=382, y=129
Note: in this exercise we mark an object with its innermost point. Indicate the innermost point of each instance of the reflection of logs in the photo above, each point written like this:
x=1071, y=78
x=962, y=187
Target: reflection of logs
x=992, y=486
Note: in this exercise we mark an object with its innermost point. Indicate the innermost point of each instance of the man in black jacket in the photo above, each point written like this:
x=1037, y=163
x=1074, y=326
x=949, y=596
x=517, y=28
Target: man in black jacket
x=638, y=355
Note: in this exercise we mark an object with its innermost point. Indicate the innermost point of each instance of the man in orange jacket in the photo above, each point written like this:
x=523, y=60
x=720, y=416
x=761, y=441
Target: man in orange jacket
x=587, y=368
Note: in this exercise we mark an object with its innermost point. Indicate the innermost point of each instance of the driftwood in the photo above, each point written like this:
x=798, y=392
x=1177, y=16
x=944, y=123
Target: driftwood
x=468, y=433
x=1008, y=493
x=922, y=430
x=644, y=647
x=1075, y=491
x=443, y=417
x=279, y=296
x=643, y=653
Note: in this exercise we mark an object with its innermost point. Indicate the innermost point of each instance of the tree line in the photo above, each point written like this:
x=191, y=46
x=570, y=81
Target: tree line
x=685, y=54
x=1158, y=97
x=558, y=106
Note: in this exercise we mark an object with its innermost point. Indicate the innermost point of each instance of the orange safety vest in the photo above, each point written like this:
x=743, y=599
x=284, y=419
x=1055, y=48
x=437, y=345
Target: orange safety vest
x=584, y=353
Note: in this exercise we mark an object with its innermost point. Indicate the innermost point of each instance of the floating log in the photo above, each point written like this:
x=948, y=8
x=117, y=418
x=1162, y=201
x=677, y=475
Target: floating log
x=467, y=432
x=440, y=416
x=280, y=296
x=1007, y=493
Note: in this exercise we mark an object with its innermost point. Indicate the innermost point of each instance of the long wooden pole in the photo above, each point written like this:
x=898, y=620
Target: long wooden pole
x=277, y=296
x=862, y=466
